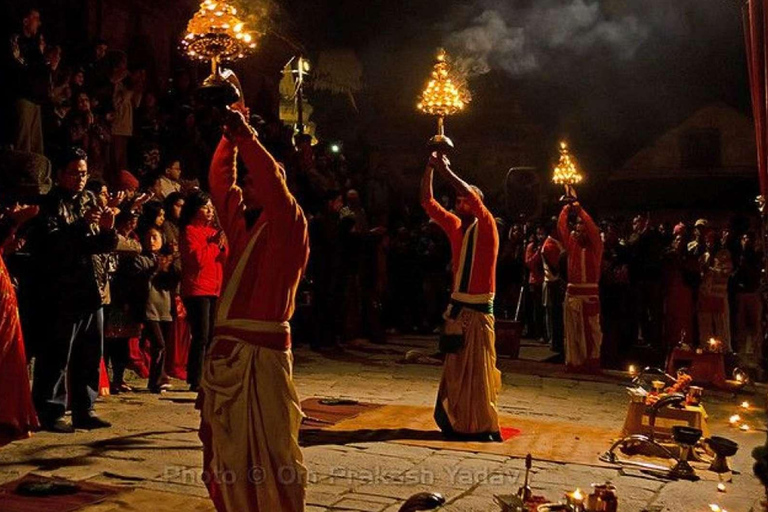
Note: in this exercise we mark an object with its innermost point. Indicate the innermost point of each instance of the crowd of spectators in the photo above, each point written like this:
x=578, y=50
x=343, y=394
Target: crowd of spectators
x=122, y=260
x=660, y=287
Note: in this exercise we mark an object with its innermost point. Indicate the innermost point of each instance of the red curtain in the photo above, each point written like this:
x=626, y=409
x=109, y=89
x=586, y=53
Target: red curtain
x=755, y=24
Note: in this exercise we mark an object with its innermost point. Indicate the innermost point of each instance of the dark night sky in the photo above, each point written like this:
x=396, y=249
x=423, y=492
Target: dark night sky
x=609, y=74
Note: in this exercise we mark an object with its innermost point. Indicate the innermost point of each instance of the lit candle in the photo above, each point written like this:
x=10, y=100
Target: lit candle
x=576, y=500
x=721, y=487
x=745, y=406
x=744, y=427
x=733, y=420
x=714, y=508
x=739, y=378
x=632, y=370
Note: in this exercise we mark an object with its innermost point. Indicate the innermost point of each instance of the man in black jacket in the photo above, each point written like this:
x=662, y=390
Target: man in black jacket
x=73, y=233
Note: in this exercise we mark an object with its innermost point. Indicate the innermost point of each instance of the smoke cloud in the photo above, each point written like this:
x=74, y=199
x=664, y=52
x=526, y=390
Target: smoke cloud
x=523, y=40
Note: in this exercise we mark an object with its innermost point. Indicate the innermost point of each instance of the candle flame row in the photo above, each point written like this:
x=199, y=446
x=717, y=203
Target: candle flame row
x=443, y=95
x=215, y=30
x=566, y=172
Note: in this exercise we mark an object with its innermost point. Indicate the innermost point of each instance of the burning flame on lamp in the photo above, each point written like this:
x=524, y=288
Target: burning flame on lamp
x=215, y=32
x=444, y=95
x=733, y=420
x=576, y=497
x=566, y=171
x=745, y=405
x=741, y=377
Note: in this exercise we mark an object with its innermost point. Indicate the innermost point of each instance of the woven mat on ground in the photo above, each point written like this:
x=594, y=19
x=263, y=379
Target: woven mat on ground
x=414, y=425
x=322, y=415
x=87, y=494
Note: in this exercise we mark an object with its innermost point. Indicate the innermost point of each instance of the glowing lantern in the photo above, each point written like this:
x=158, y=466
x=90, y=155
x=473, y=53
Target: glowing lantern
x=443, y=96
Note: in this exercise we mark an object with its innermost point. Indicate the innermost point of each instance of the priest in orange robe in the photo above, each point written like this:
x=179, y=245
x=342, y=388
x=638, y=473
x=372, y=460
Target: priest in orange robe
x=250, y=412
x=583, y=335
x=470, y=385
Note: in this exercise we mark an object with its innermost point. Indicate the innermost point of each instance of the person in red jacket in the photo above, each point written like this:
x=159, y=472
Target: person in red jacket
x=203, y=256
x=250, y=411
x=534, y=262
x=583, y=336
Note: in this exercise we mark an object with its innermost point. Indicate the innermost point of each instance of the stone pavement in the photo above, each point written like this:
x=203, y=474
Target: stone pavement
x=153, y=446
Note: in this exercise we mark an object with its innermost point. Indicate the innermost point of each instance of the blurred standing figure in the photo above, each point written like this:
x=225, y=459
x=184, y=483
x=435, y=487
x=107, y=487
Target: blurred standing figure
x=616, y=300
x=31, y=83
x=713, y=312
x=681, y=276
x=749, y=329
x=533, y=260
x=124, y=99
x=553, y=291
x=646, y=250
x=583, y=334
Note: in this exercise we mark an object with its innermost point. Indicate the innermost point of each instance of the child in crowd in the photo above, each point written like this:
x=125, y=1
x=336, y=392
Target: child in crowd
x=158, y=271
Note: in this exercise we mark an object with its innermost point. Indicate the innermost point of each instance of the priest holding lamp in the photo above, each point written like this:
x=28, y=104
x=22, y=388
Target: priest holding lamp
x=470, y=385
x=249, y=409
x=581, y=238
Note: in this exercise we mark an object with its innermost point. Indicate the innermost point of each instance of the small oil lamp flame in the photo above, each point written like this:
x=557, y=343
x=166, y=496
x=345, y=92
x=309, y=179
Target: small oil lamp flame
x=733, y=420
x=721, y=487
x=576, y=500
x=744, y=427
x=745, y=405
x=632, y=370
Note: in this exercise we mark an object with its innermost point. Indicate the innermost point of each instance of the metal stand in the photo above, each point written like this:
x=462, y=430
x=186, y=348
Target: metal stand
x=639, y=439
x=440, y=142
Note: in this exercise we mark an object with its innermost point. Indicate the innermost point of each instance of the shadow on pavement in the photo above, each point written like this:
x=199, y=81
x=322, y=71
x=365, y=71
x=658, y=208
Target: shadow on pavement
x=317, y=437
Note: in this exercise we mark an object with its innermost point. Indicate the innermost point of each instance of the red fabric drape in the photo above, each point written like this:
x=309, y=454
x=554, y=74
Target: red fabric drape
x=755, y=22
x=139, y=356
